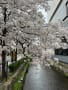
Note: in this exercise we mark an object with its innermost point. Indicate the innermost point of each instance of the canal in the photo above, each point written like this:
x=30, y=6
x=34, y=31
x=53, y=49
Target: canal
x=44, y=78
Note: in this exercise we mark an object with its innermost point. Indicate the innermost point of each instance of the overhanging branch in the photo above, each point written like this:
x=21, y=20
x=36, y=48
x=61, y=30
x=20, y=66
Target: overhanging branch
x=31, y=33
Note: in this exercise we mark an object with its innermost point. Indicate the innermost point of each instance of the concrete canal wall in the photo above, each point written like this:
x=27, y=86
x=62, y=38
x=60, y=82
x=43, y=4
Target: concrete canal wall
x=59, y=66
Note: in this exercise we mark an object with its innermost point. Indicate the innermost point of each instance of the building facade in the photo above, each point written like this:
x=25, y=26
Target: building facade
x=58, y=11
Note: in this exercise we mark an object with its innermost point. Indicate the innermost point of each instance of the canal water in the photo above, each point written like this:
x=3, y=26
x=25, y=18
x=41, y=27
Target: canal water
x=44, y=78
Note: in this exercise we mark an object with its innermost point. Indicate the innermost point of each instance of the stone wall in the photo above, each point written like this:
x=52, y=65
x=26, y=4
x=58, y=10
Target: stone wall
x=8, y=85
x=60, y=66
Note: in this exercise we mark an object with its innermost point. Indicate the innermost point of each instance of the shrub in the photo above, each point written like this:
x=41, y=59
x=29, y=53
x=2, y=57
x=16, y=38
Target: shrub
x=15, y=65
x=28, y=58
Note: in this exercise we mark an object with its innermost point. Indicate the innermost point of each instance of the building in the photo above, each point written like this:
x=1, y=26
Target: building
x=58, y=11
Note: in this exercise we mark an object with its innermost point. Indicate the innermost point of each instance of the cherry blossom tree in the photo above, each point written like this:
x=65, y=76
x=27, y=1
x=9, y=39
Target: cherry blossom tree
x=20, y=23
x=25, y=29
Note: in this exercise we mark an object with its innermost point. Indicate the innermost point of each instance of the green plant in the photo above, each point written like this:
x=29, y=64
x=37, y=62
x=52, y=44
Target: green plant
x=15, y=65
x=18, y=84
x=28, y=58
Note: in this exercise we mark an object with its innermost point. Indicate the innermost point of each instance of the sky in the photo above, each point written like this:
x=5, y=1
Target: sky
x=44, y=13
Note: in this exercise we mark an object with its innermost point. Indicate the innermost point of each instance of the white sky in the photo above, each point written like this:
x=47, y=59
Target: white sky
x=44, y=13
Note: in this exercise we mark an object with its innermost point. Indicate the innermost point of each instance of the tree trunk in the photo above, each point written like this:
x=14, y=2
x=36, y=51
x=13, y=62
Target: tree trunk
x=24, y=50
x=16, y=55
x=3, y=44
x=11, y=56
x=28, y=49
x=3, y=64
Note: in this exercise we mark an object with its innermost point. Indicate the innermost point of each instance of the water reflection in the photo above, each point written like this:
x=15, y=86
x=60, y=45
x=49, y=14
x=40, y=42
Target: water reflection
x=40, y=78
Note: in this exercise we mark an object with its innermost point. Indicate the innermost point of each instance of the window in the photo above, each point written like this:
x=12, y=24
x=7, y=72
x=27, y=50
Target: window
x=67, y=7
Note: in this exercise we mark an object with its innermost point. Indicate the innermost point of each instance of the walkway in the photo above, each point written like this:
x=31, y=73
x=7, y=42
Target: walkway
x=62, y=58
x=40, y=78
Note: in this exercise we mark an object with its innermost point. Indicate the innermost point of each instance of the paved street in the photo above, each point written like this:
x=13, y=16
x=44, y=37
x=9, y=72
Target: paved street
x=43, y=78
